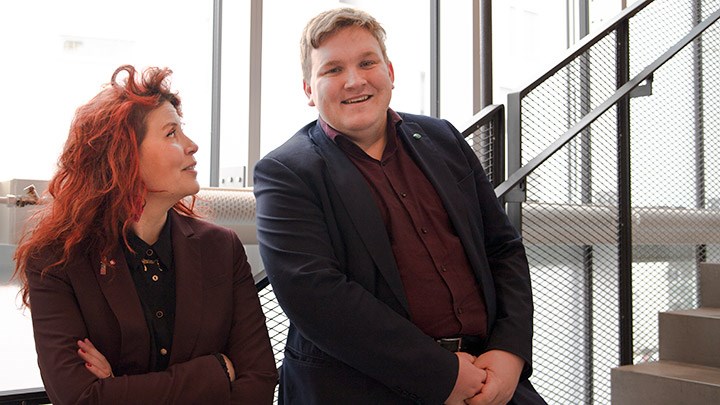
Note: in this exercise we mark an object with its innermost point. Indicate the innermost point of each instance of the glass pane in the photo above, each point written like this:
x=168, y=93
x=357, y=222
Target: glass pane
x=234, y=93
x=56, y=56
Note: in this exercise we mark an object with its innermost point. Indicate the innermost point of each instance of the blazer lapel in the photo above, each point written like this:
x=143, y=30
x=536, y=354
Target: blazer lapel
x=188, y=288
x=425, y=154
x=421, y=148
x=357, y=199
x=119, y=290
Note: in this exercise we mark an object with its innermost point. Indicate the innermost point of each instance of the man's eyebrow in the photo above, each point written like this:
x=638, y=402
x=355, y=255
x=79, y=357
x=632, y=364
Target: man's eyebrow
x=335, y=62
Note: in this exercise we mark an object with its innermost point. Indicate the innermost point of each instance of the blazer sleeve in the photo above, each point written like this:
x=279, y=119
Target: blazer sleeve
x=249, y=346
x=512, y=330
x=337, y=314
x=58, y=324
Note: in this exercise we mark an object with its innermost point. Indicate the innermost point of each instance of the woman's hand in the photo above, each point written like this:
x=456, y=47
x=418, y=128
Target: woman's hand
x=230, y=367
x=95, y=362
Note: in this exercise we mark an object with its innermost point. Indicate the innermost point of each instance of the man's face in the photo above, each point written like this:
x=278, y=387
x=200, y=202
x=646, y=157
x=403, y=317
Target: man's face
x=351, y=83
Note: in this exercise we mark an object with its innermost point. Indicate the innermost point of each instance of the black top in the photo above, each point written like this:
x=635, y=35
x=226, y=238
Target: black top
x=152, y=270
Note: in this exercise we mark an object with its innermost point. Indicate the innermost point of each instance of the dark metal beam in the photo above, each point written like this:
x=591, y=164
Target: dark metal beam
x=435, y=58
x=215, y=97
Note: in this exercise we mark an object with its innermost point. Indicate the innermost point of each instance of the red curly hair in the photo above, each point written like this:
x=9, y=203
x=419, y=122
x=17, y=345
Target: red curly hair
x=97, y=191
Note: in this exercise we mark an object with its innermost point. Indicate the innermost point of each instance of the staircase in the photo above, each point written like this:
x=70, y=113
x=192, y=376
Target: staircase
x=688, y=371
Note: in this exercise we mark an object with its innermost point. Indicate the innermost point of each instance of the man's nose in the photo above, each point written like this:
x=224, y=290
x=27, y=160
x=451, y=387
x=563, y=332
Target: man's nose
x=355, y=77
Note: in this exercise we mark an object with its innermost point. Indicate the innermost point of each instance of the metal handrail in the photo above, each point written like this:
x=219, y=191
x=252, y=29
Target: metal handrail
x=492, y=115
x=519, y=175
x=586, y=43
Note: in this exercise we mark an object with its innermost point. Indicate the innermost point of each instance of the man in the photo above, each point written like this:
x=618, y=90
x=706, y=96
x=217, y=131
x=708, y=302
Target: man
x=385, y=244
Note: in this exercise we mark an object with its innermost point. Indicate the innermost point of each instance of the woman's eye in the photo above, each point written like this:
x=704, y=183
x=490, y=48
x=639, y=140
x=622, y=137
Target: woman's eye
x=172, y=133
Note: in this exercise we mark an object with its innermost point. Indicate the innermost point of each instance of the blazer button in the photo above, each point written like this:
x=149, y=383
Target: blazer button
x=417, y=136
x=163, y=351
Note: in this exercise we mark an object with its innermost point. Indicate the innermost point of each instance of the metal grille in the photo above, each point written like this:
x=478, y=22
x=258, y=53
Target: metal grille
x=570, y=220
x=277, y=324
x=486, y=137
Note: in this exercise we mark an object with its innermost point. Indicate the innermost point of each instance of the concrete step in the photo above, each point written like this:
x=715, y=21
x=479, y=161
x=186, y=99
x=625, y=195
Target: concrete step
x=710, y=285
x=665, y=383
x=691, y=336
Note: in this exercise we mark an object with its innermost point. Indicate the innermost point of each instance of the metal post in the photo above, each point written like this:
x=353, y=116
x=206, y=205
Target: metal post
x=586, y=192
x=624, y=198
x=435, y=58
x=482, y=55
x=516, y=197
x=215, y=98
x=254, y=87
x=699, y=124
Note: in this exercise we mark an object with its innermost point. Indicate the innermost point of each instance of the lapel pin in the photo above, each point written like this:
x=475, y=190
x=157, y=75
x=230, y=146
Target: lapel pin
x=417, y=136
x=103, y=266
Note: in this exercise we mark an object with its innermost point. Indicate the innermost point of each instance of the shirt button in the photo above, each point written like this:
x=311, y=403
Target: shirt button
x=423, y=230
x=159, y=314
x=149, y=252
x=155, y=277
x=443, y=268
x=163, y=351
x=459, y=310
x=403, y=195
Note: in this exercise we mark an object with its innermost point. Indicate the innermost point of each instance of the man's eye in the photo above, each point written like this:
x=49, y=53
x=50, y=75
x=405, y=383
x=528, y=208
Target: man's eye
x=172, y=133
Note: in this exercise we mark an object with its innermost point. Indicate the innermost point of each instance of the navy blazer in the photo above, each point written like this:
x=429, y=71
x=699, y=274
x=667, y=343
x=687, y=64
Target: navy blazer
x=331, y=265
x=217, y=310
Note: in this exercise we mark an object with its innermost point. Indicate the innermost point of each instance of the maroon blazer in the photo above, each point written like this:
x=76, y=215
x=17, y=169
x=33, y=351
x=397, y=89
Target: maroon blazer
x=217, y=310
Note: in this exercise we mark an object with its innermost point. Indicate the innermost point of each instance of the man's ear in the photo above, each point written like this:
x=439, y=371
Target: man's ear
x=391, y=72
x=308, y=92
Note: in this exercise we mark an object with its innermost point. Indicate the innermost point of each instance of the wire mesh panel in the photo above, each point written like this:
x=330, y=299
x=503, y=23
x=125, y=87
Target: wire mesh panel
x=570, y=227
x=277, y=324
x=571, y=216
x=486, y=137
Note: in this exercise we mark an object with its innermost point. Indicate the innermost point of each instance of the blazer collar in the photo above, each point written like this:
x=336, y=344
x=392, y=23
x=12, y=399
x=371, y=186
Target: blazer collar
x=362, y=209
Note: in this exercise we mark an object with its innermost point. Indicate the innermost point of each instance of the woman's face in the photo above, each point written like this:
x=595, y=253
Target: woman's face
x=167, y=164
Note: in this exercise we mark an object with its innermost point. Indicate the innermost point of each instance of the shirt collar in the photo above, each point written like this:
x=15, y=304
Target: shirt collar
x=394, y=119
x=162, y=247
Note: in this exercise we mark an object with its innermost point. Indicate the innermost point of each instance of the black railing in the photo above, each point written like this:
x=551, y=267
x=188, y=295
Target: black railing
x=27, y=396
x=611, y=162
x=486, y=135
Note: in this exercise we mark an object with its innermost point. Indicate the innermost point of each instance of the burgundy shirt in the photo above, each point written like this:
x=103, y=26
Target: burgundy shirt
x=443, y=294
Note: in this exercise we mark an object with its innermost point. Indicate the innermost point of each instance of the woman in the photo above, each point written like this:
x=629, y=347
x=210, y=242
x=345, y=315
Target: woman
x=134, y=299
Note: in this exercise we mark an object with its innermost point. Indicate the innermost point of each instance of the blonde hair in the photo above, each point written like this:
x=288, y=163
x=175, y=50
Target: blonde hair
x=329, y=22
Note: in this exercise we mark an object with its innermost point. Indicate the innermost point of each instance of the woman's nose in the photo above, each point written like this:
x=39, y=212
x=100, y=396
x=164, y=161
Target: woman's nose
x=191, y=146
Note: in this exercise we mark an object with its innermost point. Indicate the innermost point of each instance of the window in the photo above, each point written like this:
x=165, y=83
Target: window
x=56, y=56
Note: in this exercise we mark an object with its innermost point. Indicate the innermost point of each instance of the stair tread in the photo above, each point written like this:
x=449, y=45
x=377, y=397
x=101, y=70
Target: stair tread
x=702, y=312
x=677, y=371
